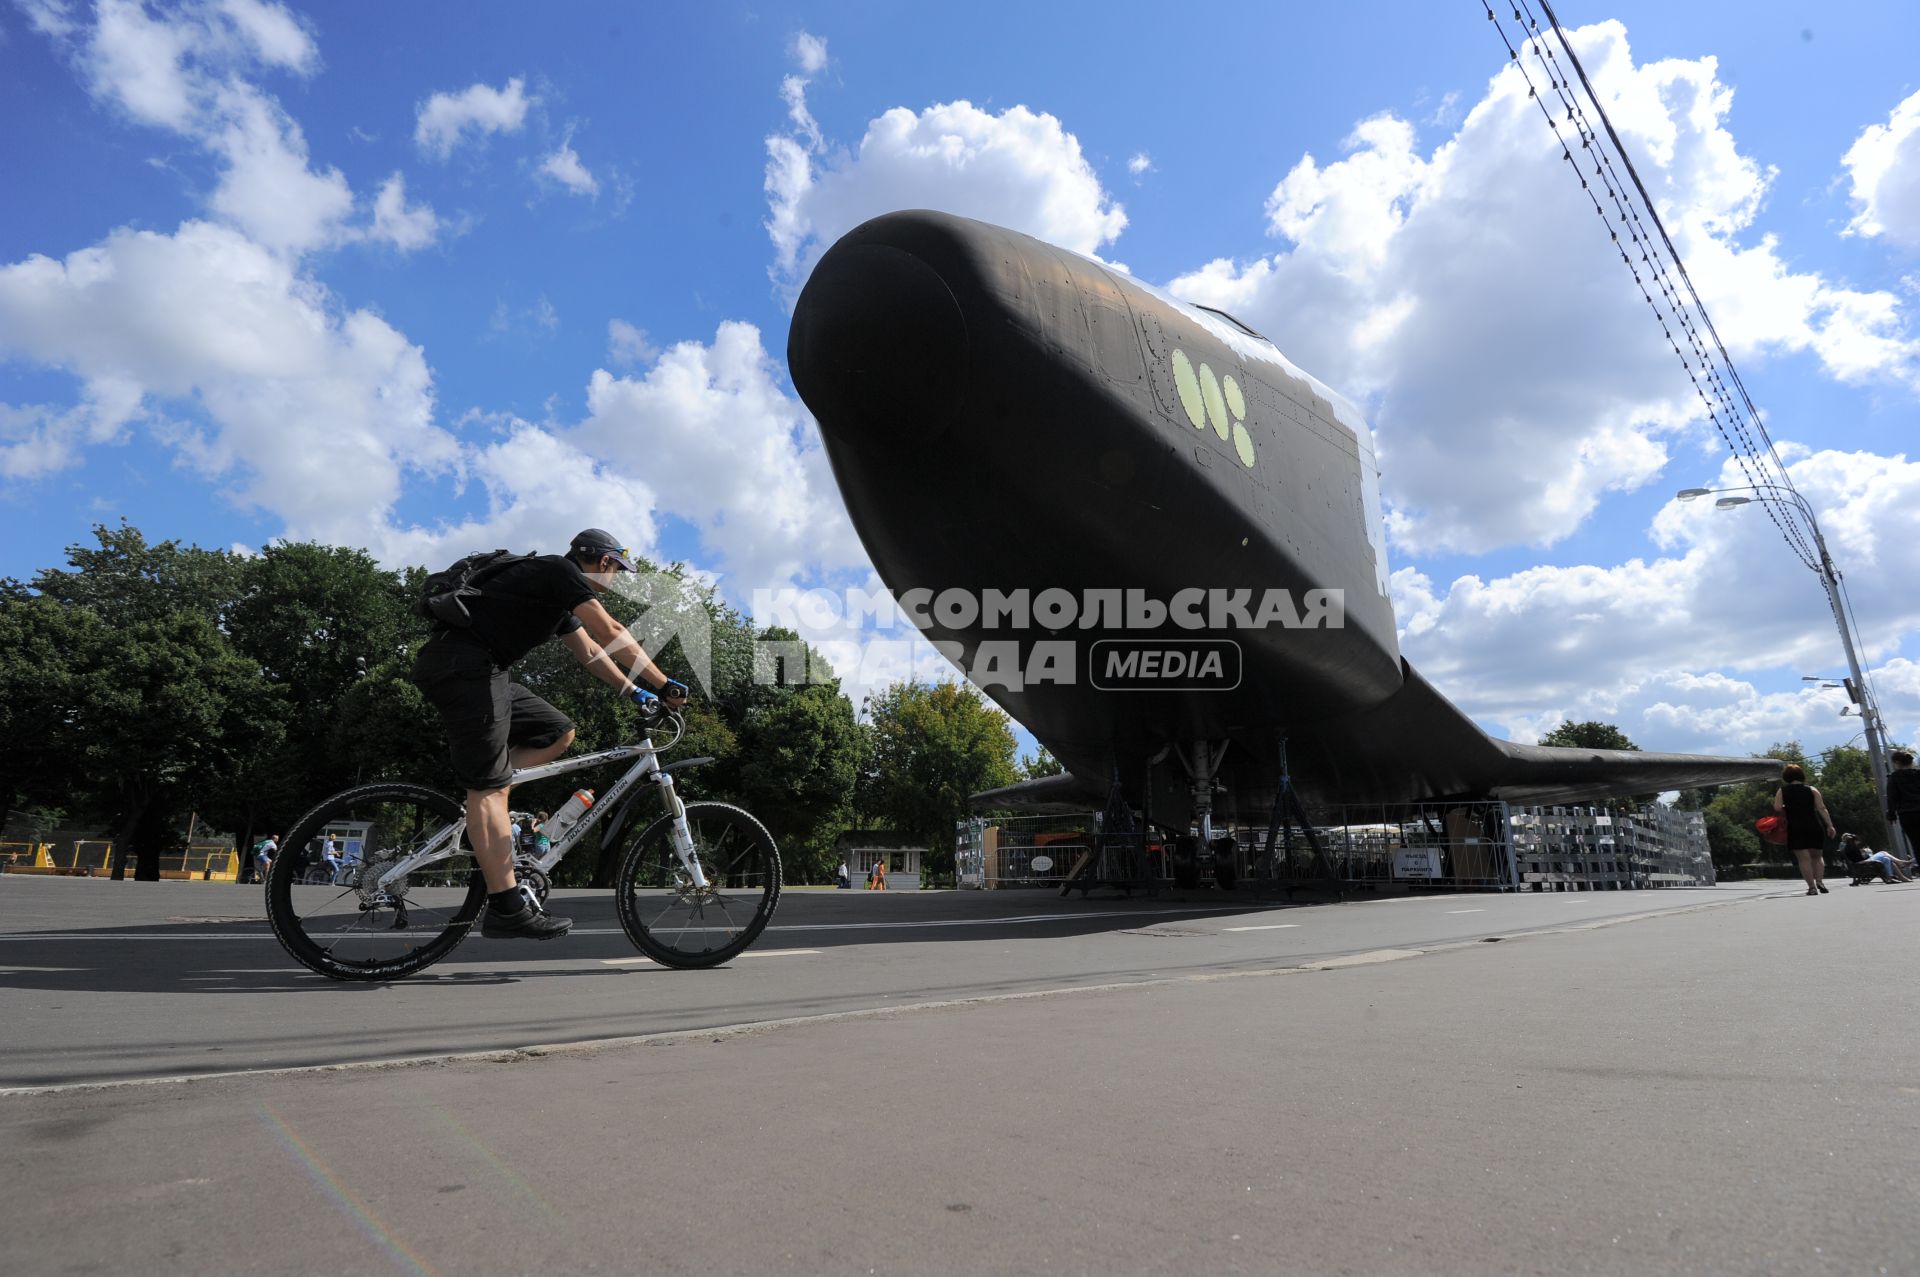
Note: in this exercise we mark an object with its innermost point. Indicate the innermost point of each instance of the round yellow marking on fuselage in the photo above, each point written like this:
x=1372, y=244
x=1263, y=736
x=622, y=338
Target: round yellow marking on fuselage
x=1216, y=406
x=1189, y=388
x=1243, y=444
x=1236, y=402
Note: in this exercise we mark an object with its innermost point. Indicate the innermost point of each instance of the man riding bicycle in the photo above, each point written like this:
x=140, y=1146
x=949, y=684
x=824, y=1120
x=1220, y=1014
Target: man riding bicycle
x=494, y=725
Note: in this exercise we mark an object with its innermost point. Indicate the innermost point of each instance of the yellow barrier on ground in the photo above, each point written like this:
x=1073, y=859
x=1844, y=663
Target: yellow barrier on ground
x=26, y=855
x=89, y=856
x=200, y=862
x=210, y=862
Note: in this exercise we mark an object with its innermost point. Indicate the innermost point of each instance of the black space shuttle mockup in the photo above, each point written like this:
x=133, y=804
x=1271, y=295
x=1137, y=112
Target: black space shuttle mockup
x=1143, y=532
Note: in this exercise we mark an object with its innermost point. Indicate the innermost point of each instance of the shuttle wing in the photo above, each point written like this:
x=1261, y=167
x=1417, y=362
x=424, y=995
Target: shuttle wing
x=1538, y=775
x=1042, y=796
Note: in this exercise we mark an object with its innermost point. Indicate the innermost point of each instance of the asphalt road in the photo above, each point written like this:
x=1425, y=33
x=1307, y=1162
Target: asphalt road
x=1135, y=1087
x=102, y=980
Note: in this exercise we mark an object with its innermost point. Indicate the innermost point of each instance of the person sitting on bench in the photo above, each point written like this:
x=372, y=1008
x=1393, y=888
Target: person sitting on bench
x=1868, y=864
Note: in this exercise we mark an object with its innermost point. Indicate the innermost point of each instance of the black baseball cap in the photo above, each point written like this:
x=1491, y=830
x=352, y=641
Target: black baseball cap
x=601, y=541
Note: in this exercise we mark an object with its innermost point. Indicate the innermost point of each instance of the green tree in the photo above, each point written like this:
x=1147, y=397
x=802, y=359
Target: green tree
x=390, y=731
x=1734, y=808
x=1730, y=844
x=315, y=619
x=798, y=758
x=149, y=706
x=1036, y=765
x=126, y=579
x=165, y=714
x=932, y=748
x=1591, y=734
x=40, y=641
x=1846, y=786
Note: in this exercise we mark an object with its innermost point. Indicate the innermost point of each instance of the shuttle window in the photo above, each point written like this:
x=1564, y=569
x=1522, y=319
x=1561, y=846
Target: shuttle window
x=1189, y=387
x=1214, y=310
x=1218, y=400
x=1216, y=406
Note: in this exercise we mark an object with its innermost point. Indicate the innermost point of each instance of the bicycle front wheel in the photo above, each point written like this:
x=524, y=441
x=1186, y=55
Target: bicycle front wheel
x=353, y=927
x=680, y=925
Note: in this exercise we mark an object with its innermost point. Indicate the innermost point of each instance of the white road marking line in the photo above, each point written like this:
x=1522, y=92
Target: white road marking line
x=1466, y=911
x=751, y=953
x=1364, y=959
x=1276, y=926
x=996, y=922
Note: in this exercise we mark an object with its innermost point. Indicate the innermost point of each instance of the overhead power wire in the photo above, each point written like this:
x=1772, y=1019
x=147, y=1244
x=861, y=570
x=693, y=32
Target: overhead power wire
x=1715, y=379
x=1651, y=273
x=1752, y=414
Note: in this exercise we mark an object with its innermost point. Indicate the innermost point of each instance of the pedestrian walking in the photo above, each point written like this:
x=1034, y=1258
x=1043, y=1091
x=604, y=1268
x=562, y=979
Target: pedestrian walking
x=1809, y=828
x=1903, y=799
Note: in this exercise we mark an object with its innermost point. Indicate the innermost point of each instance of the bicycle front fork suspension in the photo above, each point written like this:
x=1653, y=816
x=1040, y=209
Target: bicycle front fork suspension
x=682, y=834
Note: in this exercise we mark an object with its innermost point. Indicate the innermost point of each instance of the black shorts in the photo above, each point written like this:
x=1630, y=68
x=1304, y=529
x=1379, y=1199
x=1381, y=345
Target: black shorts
x=483, y=712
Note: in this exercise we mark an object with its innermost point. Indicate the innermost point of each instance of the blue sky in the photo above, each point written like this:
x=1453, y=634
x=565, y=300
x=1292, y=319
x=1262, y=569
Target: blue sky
x=429, y=276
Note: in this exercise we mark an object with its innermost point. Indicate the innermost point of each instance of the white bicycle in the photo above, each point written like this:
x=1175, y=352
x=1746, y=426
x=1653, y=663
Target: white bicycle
x=696, y=886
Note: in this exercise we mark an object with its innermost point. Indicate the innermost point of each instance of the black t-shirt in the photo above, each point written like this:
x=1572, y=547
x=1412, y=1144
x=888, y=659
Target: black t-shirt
x=1903, y=789
x=522, y=606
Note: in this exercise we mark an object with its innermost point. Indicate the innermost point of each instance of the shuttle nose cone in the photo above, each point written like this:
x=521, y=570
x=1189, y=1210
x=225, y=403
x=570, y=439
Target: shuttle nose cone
x=878, y=346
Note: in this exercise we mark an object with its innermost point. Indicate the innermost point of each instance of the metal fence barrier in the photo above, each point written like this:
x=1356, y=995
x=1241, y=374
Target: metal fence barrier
x=1482, y=845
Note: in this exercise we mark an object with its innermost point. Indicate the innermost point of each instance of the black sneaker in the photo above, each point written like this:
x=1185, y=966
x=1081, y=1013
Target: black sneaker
x=531, y=922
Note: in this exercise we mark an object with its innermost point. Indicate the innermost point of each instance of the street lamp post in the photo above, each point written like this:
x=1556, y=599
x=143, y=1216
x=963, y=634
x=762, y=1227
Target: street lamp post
x=1829, y=579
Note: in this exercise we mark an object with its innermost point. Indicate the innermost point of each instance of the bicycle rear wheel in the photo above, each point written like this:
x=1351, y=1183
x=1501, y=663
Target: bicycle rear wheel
x=680, y=925
x=356, y=929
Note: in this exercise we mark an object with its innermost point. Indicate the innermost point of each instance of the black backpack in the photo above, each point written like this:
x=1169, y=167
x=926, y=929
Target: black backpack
x=443, y=598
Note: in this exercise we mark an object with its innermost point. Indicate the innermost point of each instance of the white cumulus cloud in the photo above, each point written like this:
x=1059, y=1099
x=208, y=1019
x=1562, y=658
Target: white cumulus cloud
x=540, y=489
x=1471, y=298
x=563, y=166
x=394, y=221
x=49, y=17
x=810, y=51
x=160, y=69
x=1625, y=643
x=731, y=453
x=298, y=407
x=274, y=34
x=136, y=61
x=446, y=119
x=186, y=69
x=1884, y=165
x=1019, y=168
x=269, y=189
x=627, y=345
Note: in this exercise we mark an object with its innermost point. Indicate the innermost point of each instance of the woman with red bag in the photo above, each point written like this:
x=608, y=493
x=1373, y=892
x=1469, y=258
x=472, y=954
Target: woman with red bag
x=1807, y=818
